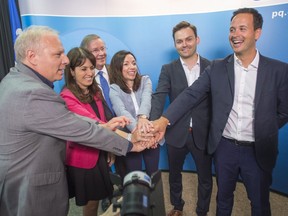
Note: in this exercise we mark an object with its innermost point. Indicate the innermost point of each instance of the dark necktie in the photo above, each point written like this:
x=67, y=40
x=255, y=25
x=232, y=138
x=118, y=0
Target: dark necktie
x=105, y=89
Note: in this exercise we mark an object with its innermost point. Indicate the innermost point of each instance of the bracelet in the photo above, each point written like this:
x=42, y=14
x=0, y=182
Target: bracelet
x=129, y=137
x=142, y=117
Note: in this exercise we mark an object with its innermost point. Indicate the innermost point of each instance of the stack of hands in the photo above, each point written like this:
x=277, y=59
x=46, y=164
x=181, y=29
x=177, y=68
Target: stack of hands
x=147, y=134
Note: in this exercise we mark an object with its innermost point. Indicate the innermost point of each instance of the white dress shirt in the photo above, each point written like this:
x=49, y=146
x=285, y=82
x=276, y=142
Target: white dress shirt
x=240, y=124
x=105, y=74
x=134, y=100
x=191, y=75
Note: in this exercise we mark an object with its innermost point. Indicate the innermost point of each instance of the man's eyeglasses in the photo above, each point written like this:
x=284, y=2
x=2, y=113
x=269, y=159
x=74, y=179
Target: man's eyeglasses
x=97, y=51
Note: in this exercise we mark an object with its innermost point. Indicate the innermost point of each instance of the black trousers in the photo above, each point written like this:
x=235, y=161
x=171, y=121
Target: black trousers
x=203, y=161
x=150, y=157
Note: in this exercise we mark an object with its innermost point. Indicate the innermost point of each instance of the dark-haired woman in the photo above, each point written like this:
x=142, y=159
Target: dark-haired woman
x=130, y=94
x=87, y=168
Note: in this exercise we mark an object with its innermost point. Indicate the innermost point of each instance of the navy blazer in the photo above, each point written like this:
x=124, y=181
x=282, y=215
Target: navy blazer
x=271, y=104
x=172, y=81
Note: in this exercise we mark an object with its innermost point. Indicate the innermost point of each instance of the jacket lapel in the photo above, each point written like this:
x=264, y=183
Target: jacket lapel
x=230, y=73
x=261, y=74
x=202, y=67
x=180, y=72
x=26, y=70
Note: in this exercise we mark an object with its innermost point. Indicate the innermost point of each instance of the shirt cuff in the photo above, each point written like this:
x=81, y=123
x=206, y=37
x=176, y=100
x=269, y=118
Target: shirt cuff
x=130, y=146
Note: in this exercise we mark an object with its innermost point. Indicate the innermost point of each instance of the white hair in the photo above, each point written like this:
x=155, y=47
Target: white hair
x=30, y=39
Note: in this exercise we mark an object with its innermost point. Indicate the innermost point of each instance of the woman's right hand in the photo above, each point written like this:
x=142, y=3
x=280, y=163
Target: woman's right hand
x=114, y=123
x=144, y=125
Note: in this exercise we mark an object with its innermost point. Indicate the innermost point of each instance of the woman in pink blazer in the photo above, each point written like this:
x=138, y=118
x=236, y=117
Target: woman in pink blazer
x=87, y=168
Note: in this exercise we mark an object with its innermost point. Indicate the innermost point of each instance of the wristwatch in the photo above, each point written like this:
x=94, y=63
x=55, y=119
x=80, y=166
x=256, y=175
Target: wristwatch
x=142, y=116
x=129, y=137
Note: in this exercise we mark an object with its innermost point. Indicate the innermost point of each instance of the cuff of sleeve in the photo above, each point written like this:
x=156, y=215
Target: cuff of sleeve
x=130, y=146
x=169, y=123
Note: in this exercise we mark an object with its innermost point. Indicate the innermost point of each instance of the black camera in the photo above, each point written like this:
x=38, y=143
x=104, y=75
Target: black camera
x=141, y=195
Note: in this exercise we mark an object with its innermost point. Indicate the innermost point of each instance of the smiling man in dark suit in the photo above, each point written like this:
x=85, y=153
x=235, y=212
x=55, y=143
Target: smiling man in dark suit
x=190, y=133
x=249, y=104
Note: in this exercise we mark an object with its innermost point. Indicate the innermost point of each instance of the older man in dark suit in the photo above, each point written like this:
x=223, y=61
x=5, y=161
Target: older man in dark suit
x=249, y=105
x=190, y=133
x=95, y=44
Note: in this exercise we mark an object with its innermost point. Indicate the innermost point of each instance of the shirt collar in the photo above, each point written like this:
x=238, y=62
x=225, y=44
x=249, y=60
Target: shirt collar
x=253, y=64
x=197, y=63
x=104, y=69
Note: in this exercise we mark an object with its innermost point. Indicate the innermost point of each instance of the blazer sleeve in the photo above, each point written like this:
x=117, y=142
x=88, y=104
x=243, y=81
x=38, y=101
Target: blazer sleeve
x=145, y=96
x=159, y=96
x=44, y=112
x=195, y=93
x=74, y=105
x=119, y=107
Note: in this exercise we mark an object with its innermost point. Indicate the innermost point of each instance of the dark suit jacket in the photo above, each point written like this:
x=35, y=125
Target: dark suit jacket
x=172, y=82
x=108, y=70
x=271, y=104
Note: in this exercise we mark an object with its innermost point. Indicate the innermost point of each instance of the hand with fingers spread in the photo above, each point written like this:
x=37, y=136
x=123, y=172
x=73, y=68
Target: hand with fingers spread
x=114, y=123
x=145, y=128
x=138, y=136
x=143, y=140
x=144, y=125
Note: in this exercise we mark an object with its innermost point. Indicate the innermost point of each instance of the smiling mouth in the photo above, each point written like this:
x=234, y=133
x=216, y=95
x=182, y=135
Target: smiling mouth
x=185, y=49
x=236, y=41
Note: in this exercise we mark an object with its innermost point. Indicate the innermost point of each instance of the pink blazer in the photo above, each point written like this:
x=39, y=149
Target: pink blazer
x=78, y=155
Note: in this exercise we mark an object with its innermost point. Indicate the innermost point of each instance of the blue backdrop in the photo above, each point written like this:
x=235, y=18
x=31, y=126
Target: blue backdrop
x=150, y=39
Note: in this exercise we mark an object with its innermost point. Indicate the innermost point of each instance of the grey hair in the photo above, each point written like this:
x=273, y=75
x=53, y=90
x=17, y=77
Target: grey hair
x=30, y=39
x=87, y=40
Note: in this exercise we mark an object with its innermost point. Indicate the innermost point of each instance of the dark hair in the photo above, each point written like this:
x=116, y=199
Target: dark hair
x=77, y=57
x=182, y=25
x=257, y=17
x=116, y=76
